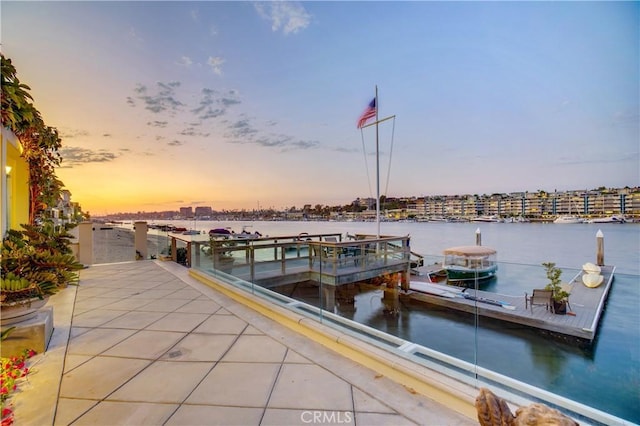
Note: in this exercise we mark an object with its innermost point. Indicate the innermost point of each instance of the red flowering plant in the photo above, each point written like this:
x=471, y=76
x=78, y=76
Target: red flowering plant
x=12, y=371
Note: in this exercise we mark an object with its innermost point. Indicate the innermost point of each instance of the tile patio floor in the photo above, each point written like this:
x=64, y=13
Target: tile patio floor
x=143, y=343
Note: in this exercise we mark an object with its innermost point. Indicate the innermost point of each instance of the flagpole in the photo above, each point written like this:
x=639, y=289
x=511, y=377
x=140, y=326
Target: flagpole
x=377, y=169
x=366, y=115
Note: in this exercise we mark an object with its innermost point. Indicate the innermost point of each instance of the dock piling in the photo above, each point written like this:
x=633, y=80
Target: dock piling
x=478, y=237
x=600, y=248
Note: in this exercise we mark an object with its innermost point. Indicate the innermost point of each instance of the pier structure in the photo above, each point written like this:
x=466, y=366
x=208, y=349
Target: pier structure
x=325, y=259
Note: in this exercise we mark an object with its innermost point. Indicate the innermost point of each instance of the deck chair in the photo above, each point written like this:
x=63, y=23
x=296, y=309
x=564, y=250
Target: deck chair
x=340, y=252
x=326, y=255
x=539, y=297
x=317, y=253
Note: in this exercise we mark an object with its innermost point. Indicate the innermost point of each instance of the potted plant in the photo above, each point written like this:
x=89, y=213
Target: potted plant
x=20, y=299
x=35, y=264
x=559, y=295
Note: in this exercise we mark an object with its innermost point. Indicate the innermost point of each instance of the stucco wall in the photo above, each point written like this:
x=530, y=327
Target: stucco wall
x=14, y=195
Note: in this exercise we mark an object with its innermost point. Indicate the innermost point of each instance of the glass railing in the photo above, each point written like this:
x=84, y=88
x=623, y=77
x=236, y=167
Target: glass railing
x=116, y=242
x=158, y=244
x=484, y=332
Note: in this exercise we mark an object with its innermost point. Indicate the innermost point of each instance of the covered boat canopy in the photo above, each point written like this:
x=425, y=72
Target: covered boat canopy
x=470, y=251
x=470, y=263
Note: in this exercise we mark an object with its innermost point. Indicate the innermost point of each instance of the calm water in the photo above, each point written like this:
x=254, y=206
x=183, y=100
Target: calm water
x=605, y=376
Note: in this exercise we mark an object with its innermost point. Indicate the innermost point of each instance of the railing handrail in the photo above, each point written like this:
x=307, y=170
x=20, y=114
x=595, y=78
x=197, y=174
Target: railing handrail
x=235, y=245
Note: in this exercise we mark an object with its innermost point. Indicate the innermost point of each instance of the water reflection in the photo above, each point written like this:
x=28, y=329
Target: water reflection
x=548, y=359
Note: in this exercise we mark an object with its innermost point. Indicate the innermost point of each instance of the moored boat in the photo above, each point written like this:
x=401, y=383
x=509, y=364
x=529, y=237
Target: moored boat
x=608, y=219
x=493, y=218
x=228, y=234
x=568, y=219
x=470, y=263
x=220, y=232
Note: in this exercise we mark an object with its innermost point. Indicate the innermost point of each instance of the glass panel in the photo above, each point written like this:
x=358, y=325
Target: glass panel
x=304, y=272
x=158, y=242
x=470, y=345
x=113, y=242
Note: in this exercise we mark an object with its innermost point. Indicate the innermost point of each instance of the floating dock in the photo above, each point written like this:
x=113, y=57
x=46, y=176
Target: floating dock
x=584, y=311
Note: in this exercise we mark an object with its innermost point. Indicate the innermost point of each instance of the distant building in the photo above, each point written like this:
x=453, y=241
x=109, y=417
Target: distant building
x=186, y=212
x=369, y=203
x=65, y=210
x=202, y=211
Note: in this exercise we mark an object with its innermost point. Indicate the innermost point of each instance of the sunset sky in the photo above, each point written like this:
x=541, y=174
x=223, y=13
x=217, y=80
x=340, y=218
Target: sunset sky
x=235, y=105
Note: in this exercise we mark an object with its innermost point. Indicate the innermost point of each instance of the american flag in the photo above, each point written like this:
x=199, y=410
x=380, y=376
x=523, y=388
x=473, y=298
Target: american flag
x=368, y=113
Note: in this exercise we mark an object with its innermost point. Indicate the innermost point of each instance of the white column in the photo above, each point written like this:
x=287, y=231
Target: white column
x=141, y=238
x=85, y=243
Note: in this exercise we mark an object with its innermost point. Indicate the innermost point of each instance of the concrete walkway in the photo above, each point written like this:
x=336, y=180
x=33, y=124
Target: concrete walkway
x=144, y=343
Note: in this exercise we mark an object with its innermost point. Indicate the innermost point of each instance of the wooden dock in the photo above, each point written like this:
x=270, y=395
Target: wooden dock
x=584, y=311
x=323, y=258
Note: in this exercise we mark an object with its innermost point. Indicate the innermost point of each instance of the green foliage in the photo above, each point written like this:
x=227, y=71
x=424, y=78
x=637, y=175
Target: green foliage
x=6, y=333
x=40, y=143
x=41, y=256
x=181, y=255
x=555, y=284
x=217, y=246
x=48, y=237
x=17, y=110
x=11, y=282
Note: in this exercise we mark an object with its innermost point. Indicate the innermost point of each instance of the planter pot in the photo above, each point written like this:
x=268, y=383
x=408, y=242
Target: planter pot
x=224, y=264
x=560, y=308
x=21, y=311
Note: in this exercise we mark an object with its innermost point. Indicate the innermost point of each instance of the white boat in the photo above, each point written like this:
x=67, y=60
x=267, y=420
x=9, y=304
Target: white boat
x=518, y=219
x=487, y=219
x=568, y=219
x=438, y=219
x=470, y=263
x=608, y=219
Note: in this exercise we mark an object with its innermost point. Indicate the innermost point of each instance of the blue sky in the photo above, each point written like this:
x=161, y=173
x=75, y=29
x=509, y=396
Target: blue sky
x=247, y=104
